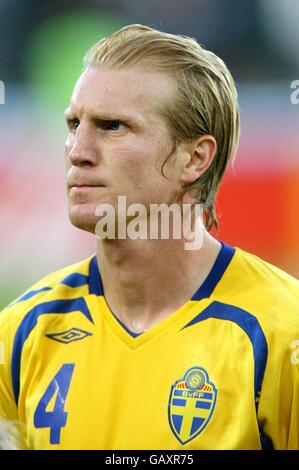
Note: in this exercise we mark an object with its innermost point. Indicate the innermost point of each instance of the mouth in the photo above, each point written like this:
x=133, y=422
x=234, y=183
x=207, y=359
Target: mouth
x=78, y=191
x=84, y=188
x=81, y=186
x=84, y=185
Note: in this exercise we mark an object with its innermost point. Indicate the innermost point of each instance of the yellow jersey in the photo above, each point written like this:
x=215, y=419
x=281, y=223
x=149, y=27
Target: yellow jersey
x=221, y=372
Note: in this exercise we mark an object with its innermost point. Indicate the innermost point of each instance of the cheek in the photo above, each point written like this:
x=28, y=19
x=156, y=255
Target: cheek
x=69, y=143
x=139, y=161
x=67, y=148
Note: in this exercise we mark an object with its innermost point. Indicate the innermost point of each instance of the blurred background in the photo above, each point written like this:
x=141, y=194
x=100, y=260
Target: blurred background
x=41, y=49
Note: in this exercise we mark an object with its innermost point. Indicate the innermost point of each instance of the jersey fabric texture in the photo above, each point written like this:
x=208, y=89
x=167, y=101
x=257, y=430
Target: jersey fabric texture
x=221, y=372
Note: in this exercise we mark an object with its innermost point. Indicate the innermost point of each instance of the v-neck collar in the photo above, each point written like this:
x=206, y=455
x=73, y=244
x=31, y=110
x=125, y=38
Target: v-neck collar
x=204, y=291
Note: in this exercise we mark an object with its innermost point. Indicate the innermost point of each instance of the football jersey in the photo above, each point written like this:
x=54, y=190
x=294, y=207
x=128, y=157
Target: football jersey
x=221, y=372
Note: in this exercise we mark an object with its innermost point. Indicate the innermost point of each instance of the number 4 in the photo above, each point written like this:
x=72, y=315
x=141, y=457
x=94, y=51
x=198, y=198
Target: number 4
x=56, y=419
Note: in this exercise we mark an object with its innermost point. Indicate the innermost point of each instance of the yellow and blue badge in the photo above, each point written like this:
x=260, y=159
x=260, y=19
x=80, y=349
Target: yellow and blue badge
x=191, y=404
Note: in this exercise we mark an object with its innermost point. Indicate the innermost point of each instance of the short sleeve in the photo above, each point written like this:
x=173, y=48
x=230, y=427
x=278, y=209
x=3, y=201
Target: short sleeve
x=278, y=409
x=8, y=408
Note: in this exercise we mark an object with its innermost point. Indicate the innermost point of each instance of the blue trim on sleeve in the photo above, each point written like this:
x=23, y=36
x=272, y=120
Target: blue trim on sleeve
x=30, y=294
x=75, y=280
x=252, y=328
x=95, y=282
x=62, y=306
x=222, y=261
x=72, y=280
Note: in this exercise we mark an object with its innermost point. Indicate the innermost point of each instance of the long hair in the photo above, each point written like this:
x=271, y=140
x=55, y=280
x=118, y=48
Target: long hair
x=205, y=102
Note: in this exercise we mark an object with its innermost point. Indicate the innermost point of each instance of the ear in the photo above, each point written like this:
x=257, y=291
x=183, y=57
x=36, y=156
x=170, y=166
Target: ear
x=197, y=157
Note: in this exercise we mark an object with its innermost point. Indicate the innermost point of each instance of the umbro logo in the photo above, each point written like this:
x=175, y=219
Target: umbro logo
x=68, y=336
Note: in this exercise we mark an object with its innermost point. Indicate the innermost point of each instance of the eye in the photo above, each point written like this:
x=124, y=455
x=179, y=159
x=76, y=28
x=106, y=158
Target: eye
x=73, y=124
x=115, y=125
x=112, y=125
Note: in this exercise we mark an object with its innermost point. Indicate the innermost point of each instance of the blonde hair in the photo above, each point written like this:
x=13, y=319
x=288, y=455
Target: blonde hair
x=206, y=99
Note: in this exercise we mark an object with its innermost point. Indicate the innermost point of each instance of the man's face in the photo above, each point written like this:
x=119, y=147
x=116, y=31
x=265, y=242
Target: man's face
x=117, y=142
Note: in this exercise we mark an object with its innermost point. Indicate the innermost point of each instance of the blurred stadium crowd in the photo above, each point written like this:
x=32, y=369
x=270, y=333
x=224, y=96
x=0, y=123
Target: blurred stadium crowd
x=41, y=49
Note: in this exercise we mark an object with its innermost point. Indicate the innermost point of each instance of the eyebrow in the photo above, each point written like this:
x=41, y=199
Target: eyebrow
x=68, y=113
x=71, y=114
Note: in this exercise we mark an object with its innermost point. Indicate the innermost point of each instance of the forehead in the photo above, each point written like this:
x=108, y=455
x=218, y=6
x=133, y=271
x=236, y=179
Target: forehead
x=129, y=90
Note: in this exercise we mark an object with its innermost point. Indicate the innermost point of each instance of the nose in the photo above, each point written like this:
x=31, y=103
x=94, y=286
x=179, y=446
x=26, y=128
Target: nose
x=80, y=147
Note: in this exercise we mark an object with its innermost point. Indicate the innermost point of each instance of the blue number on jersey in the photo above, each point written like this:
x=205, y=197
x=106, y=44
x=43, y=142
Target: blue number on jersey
x=56, y=419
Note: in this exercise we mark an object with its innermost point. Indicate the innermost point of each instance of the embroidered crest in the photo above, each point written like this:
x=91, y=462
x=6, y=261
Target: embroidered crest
x=191, y=404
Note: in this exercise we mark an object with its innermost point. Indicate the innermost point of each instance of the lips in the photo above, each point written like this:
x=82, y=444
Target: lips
x=84, y=184
x=82, y=192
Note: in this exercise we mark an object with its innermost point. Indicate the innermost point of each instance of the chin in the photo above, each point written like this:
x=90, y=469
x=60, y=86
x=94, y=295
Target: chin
x=83, y=220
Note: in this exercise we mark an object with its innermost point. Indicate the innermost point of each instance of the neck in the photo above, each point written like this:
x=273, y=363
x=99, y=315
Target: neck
x=144, y=281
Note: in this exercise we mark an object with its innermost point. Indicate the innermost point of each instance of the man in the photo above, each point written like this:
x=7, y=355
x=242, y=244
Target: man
x=149, y=344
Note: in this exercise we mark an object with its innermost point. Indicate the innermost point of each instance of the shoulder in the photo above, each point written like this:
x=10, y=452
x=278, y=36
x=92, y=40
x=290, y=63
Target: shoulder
x=67, y=283
x=268, y=292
